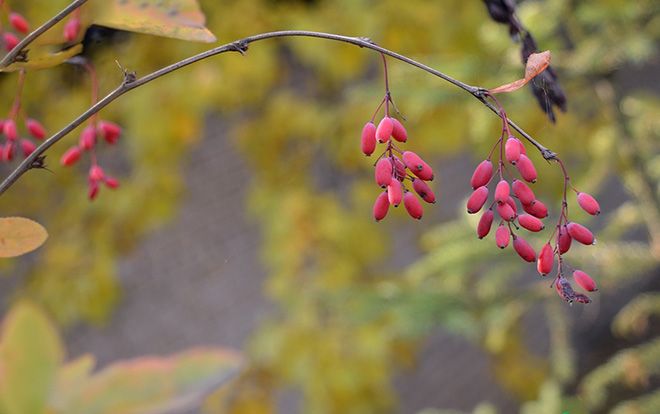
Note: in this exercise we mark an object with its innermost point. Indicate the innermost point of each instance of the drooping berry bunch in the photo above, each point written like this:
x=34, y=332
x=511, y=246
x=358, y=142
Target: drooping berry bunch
x=395, y=166
x=89, y=138
x=511, y=154
x=18, y=24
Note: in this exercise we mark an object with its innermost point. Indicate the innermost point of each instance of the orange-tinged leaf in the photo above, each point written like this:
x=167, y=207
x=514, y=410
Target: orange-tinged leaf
x=179, y=19
x=536, y=63
x=19, y=235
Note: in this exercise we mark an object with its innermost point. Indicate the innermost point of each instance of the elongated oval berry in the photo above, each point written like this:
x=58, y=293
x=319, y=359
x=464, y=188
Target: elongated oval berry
x=19, y=23
x=584, y=280
x=482, y=174
x=588, y=203
x=424, y=190
x=70, y=156
x=526, y=168
x=417, y=165
x=383, y=172
x=511, y=202
x=523, y=192
x=10, y=130
x=399, y=132
x=530, y=222
x=8, y=151
x=485, y=222
x=502, y=236
x=87, y=138
x=112, y=182
x=563, y=240
x=477, y=199
x=505, y=211
x=581, y=298
x=524, y=249
x=27, y=147
x=35, y=128
x=368, y=138
x=512, y=150
x=395, y=193
x=412, y=205
x=522, y=148
x=93, y=189
x=580, y=233
x=384, y=130
x=10, y=41
x=381, y=205
x=111, y=131
x=96, y=173
x=546, y=260
x=502, y=191
x=537, y=209
x=72, y=29
x=399, y=168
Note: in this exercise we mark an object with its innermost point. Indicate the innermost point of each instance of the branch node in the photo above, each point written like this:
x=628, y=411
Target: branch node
x=548, y=155
x=241, y=46
x=366, y=40
x=129, y=76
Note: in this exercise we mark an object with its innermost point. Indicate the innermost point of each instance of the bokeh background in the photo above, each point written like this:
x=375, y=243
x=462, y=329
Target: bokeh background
x=244, y=215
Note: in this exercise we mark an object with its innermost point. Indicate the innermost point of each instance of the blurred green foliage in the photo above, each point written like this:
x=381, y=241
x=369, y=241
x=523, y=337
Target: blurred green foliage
x=350, y=315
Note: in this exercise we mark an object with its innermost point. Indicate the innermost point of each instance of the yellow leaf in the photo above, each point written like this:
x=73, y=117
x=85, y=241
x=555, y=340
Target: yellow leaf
x=179, y=19
x=19, y=235
x=43, y=57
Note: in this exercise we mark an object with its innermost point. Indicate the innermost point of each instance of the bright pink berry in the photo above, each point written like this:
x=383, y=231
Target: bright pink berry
x=524, y=249
x=505, y=211
x=563, y=240
x=580, y=233
x=93, y=190
x=111, y=131
x=522, y=147
x=383, y=172
x=72, y=29
x=96, y=173
x=546, y=260
x=384, y=130
x=584, y=280
x=502, y=191
x=70, y=156
x=10, y=40
x=537, y=209
x=369, y=138
x=530, y=222
x=10, y=130
x=423, y=190
x=111, y=182
x=417, y=165
x=412, y=205
x=482, y=174
x=588, y=203
x=2, y=125
x=88, y=138
x=511, y=202
x=399, y=132
x=27, y=147
x=512, y=150
x=381, y=206
x=526, y=168
x=477, y=199
x=523, y=192
x=8, y=151
x=35, y=128
x=19, y=23
x=485, y=222
x=395, y=193
x=502, y=236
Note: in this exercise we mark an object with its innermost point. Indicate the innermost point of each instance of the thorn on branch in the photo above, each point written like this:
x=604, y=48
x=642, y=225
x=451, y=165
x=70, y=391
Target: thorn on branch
x=366, y=39
x=241, y=46
x=549, y=155
x=129, y=76
x=39, y=162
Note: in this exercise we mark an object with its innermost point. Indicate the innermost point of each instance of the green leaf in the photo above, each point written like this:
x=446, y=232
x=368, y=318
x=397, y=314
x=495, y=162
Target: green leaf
x=179, y=19
x=155, y=385
x=30, y=354
x=19, y=235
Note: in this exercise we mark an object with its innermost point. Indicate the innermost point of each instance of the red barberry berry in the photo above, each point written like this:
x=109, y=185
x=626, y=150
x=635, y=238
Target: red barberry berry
x=482, y=174
x=88, y=138
x=512, y=150
x=93, y=189
x=485, y=223
x=523, y=192
x=395, y=192
x=72, y=29
x=505, y=211
x=502, y=236
x=384, y=130
x=10, y=130
x=35, y=128
x=8, y=151
x=584, y=280
x=563, y=240
x=27, y=147
x=70, y=156
x=383, y=172
x=477, y=199
x=588, y=203
x=19, y=23
x=512, y=203
x=417, y=165
x=580, y=233
x=399, y=132
x=545, y=262
x=96, y=173
x=524, y=249
x=530, y=222
x=381, y=205
x=111, y=131
x=536, y=208
x=10, y=41
x=424, y=191
x=369, y=138
x=526, y=168
x=412, y=205
x=502, y=191
x=111, y=182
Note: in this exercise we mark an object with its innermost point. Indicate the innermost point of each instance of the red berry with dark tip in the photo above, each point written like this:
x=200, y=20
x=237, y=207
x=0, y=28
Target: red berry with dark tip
x=502, y=191
x=588, y=203
x=512, y=150
x=536, y=208
x=383, y=172
x=482, y=174
x=511, y=202
x=413, y=205
x=19, y=23
x=70, y=156
x=546, y=260
x=35, y=128
x=502, y=236
x=368, y=138
x=381, y=205
x=485, y=223
x=526, y=168
x=399, y=132
x=477, y=199
x=523, y=192
x=417, y=166
x=530, y=222
x=505, y=211
x=584, y=280
x=424, y=190
x=580, y=233
x=563, y=240
x=395, y=193
x=384, y=129
x=524, y=249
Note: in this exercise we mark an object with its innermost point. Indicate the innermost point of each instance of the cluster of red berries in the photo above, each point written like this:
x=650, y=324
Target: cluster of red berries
x=106, y=130
x=391, y=169
x=20, y=27
x=13, y=142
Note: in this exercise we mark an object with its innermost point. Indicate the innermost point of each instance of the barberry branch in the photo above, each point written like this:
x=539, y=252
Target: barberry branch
x=131, y=82
x=16, y=53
